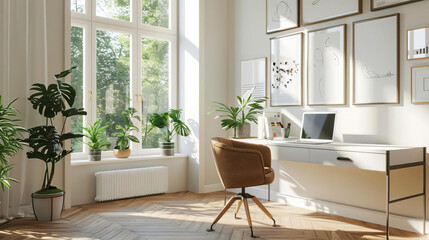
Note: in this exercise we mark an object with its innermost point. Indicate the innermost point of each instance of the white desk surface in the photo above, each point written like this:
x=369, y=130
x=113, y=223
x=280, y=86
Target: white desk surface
x=352, y=147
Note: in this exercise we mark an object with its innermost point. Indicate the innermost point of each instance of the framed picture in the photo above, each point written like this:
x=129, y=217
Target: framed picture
x=418, y=43
x=383, y=4
x=420, y=84
x=376, y=60
x=282, y=15
x=286, y=70
x=254, y=75
x=316, y=11
x=326, y=66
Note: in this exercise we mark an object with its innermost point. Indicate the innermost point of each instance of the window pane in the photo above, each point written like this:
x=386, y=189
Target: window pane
x=155, y=83
x=156, y=13
x=77, y=6
x=113, y=77
x=77, y=59
x=117, y=9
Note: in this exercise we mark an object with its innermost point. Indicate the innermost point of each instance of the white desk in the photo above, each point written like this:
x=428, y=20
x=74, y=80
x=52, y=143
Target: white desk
x=384, y=158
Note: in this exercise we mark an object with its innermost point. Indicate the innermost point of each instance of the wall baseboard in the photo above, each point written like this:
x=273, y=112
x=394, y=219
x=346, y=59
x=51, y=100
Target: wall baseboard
x=367, y=215
x=213, y=188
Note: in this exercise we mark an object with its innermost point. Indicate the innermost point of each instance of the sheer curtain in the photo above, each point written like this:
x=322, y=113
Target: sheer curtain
x=23, y=61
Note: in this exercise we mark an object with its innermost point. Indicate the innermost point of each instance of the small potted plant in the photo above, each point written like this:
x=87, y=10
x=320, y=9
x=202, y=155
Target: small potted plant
x=122, y=148
x=170, y=124
x=97, y=139
x=10, y=141
x=239, y=118
x=47, y=143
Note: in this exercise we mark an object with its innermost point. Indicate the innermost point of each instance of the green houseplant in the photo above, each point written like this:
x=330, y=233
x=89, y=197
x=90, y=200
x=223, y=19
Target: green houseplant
x=122, y=148
x=97, y=139
x=10, y=140
x=240, y=117
x=170, y=124
x=47, y=142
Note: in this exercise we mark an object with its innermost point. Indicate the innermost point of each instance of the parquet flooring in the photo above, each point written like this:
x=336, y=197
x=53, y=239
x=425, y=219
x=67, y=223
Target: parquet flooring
x=186, y=216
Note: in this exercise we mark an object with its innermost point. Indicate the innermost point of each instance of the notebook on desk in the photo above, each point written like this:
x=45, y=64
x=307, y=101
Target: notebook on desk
x=317, y=128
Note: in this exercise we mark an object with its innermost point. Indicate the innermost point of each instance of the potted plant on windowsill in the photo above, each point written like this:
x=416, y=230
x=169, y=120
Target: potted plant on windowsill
x=170, y=124
x=122, y=148
x=10, y=141
x=239, y=118
x=97, y=139
x=47, y=142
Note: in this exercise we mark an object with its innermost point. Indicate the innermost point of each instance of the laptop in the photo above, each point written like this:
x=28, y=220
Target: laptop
x=317, y=128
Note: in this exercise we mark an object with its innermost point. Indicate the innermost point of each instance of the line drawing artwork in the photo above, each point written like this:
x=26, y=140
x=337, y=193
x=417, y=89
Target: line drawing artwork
x=369, y=73
x=284, y=73
x=315, y=2
x=282, y=11
x=322, y=56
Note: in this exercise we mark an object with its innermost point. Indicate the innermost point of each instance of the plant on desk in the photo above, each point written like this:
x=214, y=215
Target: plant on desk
x=239, y=118
x=97, y=139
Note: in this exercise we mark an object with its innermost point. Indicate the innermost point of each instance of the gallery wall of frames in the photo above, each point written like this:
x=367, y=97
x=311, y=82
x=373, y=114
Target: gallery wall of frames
x=375, y=54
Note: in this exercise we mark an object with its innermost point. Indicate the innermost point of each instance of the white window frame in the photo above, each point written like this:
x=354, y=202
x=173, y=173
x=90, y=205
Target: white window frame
x=137, y=30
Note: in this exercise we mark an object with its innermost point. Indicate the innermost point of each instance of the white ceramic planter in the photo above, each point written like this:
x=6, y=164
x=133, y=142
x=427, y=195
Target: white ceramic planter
x=48, y=207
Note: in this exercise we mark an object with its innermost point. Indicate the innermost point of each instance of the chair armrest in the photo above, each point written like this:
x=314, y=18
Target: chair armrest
x=265, y=151
x=239, y=167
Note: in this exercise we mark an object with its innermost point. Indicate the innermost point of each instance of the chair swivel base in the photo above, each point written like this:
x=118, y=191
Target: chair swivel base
x=242, y=198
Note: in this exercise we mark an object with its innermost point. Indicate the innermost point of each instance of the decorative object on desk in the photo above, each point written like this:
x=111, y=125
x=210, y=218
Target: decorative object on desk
x=286, y=131
x=170, y=123
x=326, y=78
x=316, y=11
x=420, y=84
x=418, y=43
x=47, y=144
x=376, y=76
x=272, y=125
x=254, y=75
x=122, y=148
x=383, y=4
x=286, y=70
x=10, y=140
x=282, y=15
x=97, y=139
x=246, y=112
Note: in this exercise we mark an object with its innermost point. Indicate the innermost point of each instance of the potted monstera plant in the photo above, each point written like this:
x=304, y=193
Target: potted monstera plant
x=10, y=141
x=239, y=118
x=47, y=141
x=97, y=139
x=170, y=124
x=122, y=149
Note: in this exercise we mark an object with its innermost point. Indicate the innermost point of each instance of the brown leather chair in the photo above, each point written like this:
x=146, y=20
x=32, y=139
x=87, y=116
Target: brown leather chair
x=242, y=165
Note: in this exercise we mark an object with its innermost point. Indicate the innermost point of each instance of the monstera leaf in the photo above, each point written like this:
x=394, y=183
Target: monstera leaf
x=159, y=120
x=45, y=142
x=51, y=100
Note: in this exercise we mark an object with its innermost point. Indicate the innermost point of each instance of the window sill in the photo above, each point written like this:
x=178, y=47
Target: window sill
x=107, y=160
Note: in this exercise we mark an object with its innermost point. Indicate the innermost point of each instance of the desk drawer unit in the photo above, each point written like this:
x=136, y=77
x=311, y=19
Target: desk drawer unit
x=290, y=154
x=360, y=160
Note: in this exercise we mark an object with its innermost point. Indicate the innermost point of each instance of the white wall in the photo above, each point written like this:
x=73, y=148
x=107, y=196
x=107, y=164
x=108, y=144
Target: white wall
x=202, y=80
x=402, y=124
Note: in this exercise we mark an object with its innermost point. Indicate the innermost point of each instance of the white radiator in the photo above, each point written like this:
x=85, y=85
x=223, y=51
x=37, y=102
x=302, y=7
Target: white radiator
x=118, y=184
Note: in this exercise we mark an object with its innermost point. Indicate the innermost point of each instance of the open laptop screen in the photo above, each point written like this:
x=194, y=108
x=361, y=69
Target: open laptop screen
x=318, y=126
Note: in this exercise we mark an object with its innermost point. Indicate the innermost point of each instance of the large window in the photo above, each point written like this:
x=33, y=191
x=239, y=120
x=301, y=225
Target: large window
x=125, y=53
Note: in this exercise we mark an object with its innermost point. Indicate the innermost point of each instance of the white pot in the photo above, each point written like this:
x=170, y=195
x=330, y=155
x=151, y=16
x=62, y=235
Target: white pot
x=48, y=207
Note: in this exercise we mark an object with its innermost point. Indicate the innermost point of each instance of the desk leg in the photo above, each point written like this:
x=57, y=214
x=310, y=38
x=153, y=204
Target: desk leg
x=424, y=191
x=387, y=198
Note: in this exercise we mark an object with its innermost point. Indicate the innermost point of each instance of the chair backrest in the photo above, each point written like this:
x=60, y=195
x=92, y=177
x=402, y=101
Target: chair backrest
x=237, y=167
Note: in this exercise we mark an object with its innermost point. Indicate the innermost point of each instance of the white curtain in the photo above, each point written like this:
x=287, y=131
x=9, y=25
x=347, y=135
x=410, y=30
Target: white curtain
x=23, y=61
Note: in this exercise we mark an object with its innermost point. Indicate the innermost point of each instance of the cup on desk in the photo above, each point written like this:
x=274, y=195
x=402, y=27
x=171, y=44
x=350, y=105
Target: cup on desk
x=285, y=132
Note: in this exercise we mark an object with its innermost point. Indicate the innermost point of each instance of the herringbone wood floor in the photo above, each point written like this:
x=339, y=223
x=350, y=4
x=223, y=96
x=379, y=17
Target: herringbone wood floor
x=186, y=216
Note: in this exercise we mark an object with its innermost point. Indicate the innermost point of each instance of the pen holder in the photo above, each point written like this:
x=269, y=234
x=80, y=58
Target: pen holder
x=285, y=132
